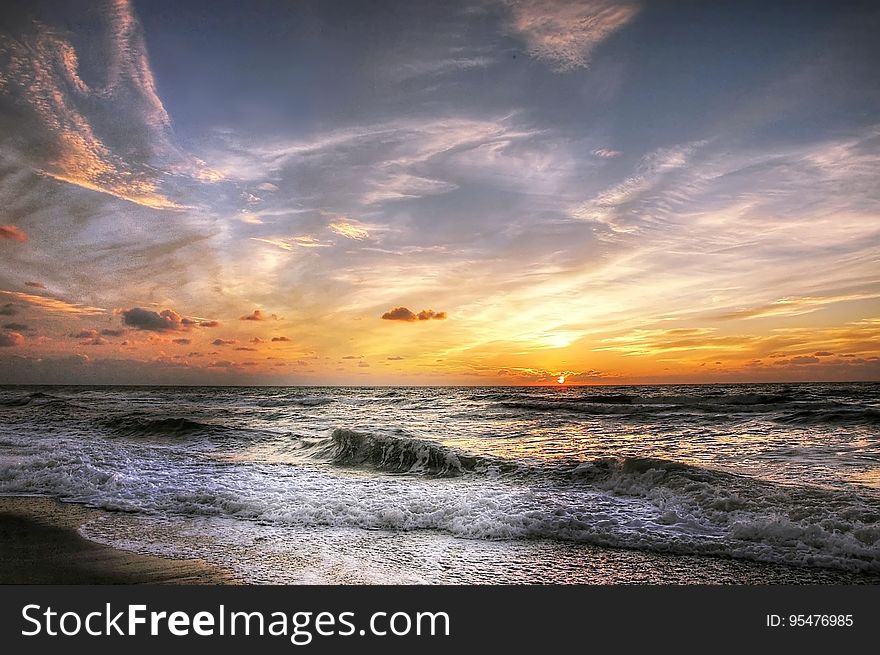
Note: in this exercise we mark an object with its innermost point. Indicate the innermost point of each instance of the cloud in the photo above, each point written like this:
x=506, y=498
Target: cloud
x=76, y=122
x=406, y=315
x=8, y=310
x=563, y=33
x=267, y=186
x=35, y=285
x=404, y=160
x=256, y=315
x=544, y=376
x=12, y=233
x=247, y=348
x=224, y=342
x=209, y=324
x=349, y=231
x=15, y=327
x=280, y=339
x=256, y=340
x=794, y=306
x=182, y=341
x=607, y=153
x=613, y=206
x=10, y=339
x=291, y=243
x=395, y=358
x=363, y=365
x=52, y=304
x=97, y=341
x=85, y=334
x=112, y=333
x=146, y=319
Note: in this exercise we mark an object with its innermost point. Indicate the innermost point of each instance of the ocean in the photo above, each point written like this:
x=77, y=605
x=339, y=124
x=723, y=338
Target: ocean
x=649, y=484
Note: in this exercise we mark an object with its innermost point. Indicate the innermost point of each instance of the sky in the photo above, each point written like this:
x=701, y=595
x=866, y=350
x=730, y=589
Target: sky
x=483, y=192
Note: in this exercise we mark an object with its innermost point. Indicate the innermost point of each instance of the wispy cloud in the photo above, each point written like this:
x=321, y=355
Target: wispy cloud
x=564, y=33
x=81, y=146
x=794, y=306
x=349, y=230
x=54, y=305
x=291, y=243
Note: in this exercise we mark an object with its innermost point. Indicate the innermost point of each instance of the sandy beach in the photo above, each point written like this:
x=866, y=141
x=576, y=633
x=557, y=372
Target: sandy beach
x=39, y=544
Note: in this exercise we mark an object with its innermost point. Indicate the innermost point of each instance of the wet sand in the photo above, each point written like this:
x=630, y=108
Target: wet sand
x=39, y=544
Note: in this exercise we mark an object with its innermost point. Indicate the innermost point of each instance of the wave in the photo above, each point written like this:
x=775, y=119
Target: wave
x=304, y=401
x=394, y=454
x=133, y=425
x=836, y=416
x=629, y=502
x=33, y=398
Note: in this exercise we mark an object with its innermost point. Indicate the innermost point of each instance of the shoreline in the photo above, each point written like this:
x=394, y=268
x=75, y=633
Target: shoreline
x=40, y=544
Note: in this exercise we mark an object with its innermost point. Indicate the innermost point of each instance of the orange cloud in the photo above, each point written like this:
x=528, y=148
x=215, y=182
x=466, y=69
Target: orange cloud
x=256, y=315
x=51, y=304
x=35, y=285
x=10, y=339
x=12, y=233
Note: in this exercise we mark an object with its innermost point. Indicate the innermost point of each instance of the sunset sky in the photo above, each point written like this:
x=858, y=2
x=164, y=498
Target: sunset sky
x=487, y=192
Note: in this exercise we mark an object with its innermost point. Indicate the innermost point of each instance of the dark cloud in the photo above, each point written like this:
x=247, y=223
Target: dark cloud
x=145, y=319
x=8, y=310
x=280, y=339
x=35, y=285
x=112, y=333
x=224, y=342
x=85, y=334
x=182, y=342
x=10, y=339
x=12, y=233
x=209, y=324
x=15, y=327
x=823, y=353
x=256, y=315
x=256, y=340
x=406, y=315
x=395, y=358
x=399, y=314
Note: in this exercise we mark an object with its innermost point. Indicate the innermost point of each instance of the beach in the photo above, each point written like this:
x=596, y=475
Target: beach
x=39, y=544
x=735, y=484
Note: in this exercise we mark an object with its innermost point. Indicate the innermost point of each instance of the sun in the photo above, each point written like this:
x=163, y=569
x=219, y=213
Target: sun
x=561, y=379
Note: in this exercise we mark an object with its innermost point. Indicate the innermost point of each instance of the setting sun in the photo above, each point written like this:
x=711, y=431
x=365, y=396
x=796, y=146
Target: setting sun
x=561, y=379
